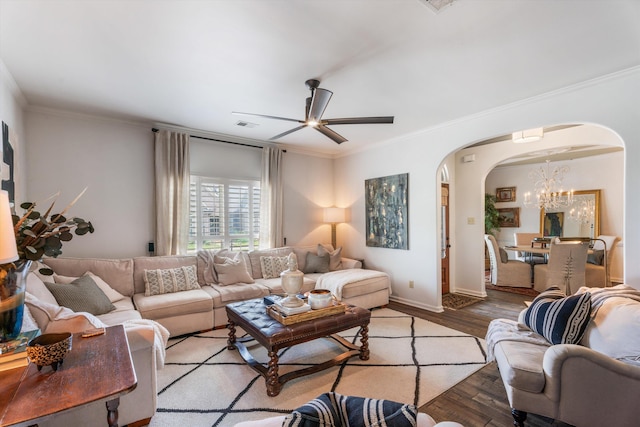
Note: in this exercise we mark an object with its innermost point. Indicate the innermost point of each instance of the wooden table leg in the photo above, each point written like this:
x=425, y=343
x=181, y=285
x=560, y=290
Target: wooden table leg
x=232, y=336
x=112, y=412
x=272, y=380
x=364, y=339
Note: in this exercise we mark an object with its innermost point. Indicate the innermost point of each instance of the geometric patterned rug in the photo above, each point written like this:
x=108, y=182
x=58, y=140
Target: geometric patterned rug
x=411, y=360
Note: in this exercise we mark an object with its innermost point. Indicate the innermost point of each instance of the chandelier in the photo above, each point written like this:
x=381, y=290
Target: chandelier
x=546, y=186
x=584, y=213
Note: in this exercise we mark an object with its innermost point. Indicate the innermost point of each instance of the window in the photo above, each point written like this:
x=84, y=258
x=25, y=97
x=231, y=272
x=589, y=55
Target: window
x=223, y=213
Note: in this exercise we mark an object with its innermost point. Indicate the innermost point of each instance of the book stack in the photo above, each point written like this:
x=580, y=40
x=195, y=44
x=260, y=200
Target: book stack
x=13, y=354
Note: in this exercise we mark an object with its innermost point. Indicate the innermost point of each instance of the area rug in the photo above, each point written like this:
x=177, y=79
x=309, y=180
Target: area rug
x=412, y=360
x=456, y=301
x=514, y=290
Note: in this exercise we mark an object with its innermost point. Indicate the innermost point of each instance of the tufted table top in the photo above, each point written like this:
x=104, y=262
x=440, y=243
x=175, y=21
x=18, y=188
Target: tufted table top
x=251, y=315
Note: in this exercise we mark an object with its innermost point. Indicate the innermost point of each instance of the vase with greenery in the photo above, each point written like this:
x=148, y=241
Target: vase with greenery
x=36, y=235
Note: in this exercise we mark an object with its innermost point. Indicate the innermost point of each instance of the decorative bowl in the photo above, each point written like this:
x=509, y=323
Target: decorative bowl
x=320, y=298
x=49, y=349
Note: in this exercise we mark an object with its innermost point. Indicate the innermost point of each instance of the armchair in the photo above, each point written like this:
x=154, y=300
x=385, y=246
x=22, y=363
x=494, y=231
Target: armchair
x=597, y=274
x=590, y=384
x=526, y=239
x=565, y=269
x=506, y=272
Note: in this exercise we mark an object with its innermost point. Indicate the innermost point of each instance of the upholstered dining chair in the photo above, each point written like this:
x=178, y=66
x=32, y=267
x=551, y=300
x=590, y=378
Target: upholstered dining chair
x=565, y=269
x=598, y=263
x=506, y=272
x=526, y=239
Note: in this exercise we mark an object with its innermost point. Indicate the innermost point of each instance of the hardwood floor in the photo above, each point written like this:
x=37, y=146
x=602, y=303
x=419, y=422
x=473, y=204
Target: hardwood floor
x=479, y=400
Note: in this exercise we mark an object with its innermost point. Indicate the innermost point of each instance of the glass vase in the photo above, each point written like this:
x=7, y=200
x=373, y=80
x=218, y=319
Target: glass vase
x=13, y=279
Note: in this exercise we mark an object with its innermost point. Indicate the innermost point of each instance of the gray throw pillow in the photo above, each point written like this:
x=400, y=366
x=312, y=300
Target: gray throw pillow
x=316, y=263
x=83, y=294
x=596, y=258
x=504, y=257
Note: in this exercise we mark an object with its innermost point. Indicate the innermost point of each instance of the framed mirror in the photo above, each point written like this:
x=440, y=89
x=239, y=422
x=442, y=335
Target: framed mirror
x=581, y=219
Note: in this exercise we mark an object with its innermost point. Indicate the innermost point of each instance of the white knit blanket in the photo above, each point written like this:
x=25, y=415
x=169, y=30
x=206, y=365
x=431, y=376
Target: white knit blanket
x=335, y=281
x=600, y=295
x=510, y=330
x=161, y=336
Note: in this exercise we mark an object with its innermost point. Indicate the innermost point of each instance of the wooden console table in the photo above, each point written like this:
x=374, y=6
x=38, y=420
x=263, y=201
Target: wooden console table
x=96, y=369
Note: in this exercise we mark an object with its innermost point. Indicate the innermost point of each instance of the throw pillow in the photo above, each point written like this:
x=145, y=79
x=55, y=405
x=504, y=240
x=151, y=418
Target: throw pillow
x=272, y=266
x=232, y=270
x=596, y=258
x=504, y=257
x=53, y=318
x=111, y=293
x=559, y=318
x=335, y=257
x=335, y=410
x=164, y=281
x=316, y=263
x=83, y=294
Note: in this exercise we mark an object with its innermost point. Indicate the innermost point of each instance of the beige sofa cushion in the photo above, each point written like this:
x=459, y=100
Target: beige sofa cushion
x=335, y=257
x=521, y=364
x=223, y=295
x=275, y=285
x=231, y=270
x=118, y=273
x=173, y=304
x=366, y=286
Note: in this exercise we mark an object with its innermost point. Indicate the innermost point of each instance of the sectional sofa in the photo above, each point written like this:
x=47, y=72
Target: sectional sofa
x=141, y=288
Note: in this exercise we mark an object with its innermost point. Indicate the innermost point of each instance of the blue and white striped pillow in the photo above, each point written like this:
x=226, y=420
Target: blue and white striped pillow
x=335, y=410
x=560, y=319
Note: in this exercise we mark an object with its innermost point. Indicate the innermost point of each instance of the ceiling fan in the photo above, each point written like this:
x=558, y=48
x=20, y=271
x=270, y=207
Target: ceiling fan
x=315, y=106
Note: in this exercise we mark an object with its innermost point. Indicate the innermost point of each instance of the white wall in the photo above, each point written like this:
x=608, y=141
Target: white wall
x=603, y=172
x=115, y=160
x=610, y=102
x=12, y=103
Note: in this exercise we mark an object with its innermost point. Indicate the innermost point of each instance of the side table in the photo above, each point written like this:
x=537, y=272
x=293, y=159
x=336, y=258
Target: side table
x=98, y=368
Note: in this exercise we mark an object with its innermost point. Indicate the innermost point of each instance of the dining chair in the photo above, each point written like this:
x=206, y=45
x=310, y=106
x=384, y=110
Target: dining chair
x=504, y=271
x=522, y=239
x=565, y=269
x=599, y=262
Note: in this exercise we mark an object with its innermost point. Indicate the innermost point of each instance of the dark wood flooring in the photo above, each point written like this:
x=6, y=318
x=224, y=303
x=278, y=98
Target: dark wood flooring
x=480, y=399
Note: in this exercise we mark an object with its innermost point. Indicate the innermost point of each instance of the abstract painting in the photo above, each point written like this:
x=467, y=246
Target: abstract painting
x=387, y=211
x=7, y=171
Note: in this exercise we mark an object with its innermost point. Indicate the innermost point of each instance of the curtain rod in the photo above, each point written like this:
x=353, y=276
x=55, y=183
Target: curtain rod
x=156, y=130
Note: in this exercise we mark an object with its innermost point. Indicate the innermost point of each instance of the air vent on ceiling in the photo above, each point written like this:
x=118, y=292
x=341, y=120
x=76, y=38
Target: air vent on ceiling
x=246, y=124
x=437, y=5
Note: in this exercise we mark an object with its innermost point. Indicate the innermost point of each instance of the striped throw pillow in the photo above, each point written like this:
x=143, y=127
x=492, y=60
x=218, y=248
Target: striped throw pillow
x=333, y=409
x=166, y=281
x=560, y=319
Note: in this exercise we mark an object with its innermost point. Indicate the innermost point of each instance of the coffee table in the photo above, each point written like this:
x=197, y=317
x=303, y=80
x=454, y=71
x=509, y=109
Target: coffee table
x=251, y=316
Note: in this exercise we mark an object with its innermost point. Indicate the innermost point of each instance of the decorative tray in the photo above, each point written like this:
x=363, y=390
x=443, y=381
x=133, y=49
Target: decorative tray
x=336, y=308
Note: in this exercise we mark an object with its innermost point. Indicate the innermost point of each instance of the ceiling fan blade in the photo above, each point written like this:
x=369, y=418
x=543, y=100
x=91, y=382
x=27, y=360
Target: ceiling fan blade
x=331, y=134
x=266, y=116
x=287, y=132
x=319, y=102
x=359, y=120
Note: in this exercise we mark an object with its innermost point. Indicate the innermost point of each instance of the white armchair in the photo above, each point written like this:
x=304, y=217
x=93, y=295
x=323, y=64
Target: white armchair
x=592, y=384
x=598, y=275
x=509, y=272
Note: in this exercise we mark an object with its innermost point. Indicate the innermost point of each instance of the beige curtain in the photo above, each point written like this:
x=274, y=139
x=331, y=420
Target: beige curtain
x=172, y=192
x=271, y=199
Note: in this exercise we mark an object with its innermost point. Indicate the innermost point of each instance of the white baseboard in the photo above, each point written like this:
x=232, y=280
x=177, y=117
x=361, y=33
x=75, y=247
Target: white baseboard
x=413, y=303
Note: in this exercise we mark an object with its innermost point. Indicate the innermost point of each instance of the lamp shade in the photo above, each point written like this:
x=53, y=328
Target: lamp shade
x=8, y=249
x=334, y=215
